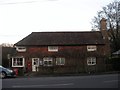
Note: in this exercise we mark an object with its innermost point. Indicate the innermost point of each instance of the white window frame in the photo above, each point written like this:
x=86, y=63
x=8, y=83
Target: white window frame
x=91, y=61
x=53, y=48
x=23, y=62
x=60, y=61
x=21, y=49
x=48, y=59
x=91, y=48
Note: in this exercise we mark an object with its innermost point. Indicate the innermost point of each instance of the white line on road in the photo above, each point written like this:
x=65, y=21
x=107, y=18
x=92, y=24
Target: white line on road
x=27, y=86
x=110, y=81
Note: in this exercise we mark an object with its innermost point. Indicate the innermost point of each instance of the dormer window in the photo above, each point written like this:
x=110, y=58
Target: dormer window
x=21, y=49
x=91, y=48
x=52, y=48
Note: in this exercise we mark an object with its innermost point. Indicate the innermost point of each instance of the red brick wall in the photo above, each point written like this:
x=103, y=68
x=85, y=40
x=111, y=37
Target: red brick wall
x=75, y=57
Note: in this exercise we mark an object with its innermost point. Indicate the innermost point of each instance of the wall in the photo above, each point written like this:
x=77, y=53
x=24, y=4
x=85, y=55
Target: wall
x=75, y=58
x=5, y=52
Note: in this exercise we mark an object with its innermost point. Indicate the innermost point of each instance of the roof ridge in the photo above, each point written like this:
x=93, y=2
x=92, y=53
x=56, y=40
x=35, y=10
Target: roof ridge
x=67, y=32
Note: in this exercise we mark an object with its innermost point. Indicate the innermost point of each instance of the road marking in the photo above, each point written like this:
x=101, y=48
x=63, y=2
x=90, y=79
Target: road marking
x=18, y=86
x=111, y=81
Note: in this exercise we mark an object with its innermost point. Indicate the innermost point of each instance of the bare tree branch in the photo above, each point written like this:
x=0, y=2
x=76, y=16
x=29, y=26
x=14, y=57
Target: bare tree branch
x=112, y=13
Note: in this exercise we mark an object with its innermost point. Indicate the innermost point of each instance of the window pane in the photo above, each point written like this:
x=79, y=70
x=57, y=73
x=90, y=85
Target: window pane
x=57, y=61
x=14, y=62
x=60, y=61
x=49, y=62
x=45, y=62
x=21, y=61
x=92, y=63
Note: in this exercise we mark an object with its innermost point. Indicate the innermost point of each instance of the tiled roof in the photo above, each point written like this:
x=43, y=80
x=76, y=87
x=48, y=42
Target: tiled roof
x=62, y=38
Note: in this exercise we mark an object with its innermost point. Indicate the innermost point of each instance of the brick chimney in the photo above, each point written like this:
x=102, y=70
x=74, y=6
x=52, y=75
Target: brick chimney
x=103, y=29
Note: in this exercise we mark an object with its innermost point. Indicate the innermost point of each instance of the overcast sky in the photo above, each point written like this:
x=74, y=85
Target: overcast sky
x=18, y=18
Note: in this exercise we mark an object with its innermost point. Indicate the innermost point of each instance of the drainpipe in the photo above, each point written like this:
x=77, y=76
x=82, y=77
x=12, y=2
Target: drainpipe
x=8, y=56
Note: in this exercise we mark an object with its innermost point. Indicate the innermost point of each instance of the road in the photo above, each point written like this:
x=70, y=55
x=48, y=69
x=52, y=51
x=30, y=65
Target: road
x=91, y=81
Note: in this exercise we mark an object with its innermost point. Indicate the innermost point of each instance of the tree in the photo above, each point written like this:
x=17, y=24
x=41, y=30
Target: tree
x=112, y=14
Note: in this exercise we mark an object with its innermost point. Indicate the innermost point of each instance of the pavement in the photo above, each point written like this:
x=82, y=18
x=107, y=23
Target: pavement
x=75, y=74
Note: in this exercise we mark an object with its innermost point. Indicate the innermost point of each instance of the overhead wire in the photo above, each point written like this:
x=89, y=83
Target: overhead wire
x=7, y=3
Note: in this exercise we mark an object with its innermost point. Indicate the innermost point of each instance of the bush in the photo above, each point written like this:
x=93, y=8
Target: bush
x=114, y=62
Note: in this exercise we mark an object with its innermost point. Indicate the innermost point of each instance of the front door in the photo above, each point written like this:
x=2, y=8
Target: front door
x=35, y=64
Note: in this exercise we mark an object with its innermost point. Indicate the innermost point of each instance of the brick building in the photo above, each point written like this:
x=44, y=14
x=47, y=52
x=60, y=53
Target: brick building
x=63, y=52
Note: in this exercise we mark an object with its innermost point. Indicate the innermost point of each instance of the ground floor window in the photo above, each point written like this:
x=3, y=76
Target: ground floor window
x=47, y=61
x=60, y=61
x=18, y=62
x=91, y=61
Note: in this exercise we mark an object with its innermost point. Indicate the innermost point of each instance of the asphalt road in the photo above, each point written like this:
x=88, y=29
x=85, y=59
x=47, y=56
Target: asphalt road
x=92, y=81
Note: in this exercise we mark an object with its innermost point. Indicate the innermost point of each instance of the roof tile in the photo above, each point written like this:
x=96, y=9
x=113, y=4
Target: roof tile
x=62, y=38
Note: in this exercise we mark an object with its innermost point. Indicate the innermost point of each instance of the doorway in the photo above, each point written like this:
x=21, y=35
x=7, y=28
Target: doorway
x=35, y=64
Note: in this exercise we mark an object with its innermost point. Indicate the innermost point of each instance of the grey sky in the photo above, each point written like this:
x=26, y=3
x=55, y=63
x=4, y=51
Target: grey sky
x=18, y=18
